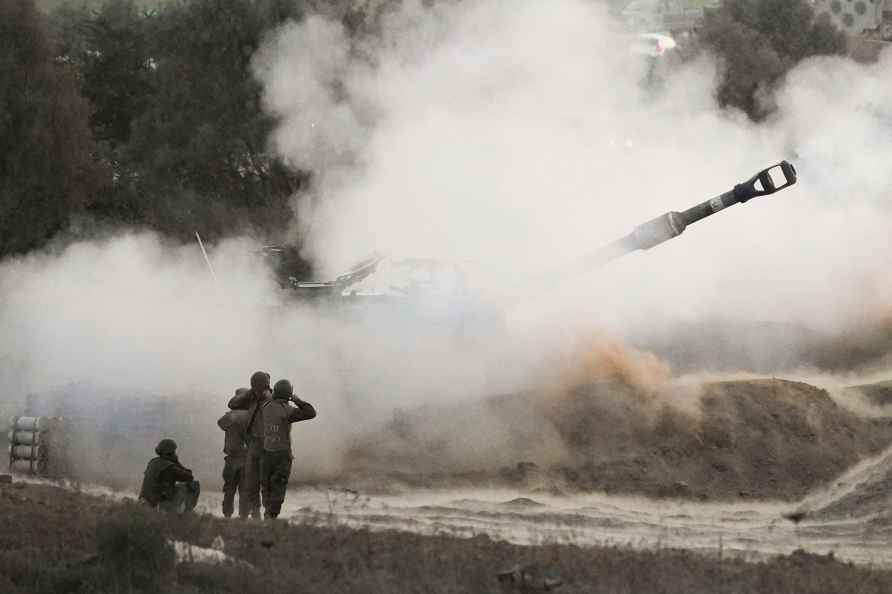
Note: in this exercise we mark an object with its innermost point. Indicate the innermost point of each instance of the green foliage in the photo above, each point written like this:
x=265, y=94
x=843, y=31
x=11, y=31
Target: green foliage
x=759, y=41
x=48, y=165
x=138, y=117
x=133, y=541
x=117, y=68
x=199, y=141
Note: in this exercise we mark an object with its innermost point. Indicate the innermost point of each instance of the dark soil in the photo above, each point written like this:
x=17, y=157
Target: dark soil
x=756, y=439
x=56, y=541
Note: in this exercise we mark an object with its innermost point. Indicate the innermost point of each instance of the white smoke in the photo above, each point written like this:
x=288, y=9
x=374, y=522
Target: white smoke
x=519, y=136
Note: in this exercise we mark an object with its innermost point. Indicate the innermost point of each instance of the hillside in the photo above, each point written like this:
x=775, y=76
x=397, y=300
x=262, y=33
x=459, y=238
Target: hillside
x=755, y=438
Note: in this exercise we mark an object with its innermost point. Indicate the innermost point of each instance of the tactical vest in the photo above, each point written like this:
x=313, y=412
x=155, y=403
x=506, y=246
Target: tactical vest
x=255, y=426
x=276, y=428
x=234, y=423
x=154, y=491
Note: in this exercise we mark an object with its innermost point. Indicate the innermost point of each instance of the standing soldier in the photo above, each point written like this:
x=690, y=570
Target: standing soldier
x=167, y=484
x=250, y=401
x=275, y=463
x=235, y=451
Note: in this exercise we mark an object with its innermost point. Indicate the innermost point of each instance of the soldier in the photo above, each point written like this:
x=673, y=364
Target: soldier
x=167, y=484
x=235, y=451
x=250, y=401
x=275, y=463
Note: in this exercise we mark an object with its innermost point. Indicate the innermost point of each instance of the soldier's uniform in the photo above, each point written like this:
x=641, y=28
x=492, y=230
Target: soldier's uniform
x=275, y=462
x=167, y=484
x=235, y=452
x=250, y=401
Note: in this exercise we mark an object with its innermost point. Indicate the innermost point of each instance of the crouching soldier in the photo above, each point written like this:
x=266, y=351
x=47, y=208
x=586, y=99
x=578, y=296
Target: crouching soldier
x=235, y=450
x=275, y=461
x=167, y=484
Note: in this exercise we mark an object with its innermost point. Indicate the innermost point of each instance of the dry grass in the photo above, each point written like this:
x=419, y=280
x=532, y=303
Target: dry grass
x=57, y=541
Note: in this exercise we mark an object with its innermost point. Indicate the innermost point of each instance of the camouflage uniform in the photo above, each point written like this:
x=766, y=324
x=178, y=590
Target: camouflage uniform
x=167, y=484
x=250, y=401
x=235, y=450
x=275, y=462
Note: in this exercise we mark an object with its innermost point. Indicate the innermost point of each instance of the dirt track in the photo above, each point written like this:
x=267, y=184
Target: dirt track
x=748, y=530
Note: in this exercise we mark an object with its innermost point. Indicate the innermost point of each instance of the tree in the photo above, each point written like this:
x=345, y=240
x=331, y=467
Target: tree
x=107, y=50
x=759, y=41
x=117, y=70
x=198, y=150
x=48, y=166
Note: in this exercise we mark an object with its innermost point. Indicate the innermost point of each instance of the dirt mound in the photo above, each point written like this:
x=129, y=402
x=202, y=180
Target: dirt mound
x=879, y=393
x=756, y=438
x=865, y=491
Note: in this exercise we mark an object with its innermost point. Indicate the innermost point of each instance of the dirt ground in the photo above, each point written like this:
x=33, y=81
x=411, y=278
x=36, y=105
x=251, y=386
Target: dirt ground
x=55, y=540
x=766, y=438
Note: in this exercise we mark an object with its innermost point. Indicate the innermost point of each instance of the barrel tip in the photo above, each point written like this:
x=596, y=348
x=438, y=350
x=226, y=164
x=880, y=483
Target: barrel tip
x=789, y=171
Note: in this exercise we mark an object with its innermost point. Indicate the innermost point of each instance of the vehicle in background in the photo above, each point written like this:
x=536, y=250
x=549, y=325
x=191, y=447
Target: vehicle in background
x=653, y=45
x=674, y=16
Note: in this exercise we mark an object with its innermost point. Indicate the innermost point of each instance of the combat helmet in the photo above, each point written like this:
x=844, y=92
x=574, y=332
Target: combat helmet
x=166, y=447
x=283, y=390
x=259, y=380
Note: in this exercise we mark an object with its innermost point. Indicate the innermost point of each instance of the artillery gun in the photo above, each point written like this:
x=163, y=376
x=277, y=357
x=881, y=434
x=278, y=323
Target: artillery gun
x=355, y=285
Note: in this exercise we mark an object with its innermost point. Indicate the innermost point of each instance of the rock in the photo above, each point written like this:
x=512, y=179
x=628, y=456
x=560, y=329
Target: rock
x=218, y=544
x=529, y=579
x=523, y=502
x=796, y=516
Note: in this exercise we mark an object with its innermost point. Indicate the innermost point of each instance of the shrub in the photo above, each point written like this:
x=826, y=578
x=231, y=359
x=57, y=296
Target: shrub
x=133, y=541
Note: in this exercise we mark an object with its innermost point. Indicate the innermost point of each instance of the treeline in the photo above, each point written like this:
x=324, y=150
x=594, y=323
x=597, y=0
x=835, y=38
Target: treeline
x=152, y=118
x=146, y=118
x=758, y=42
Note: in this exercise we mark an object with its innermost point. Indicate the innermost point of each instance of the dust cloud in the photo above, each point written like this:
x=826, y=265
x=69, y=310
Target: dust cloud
x=508, y=137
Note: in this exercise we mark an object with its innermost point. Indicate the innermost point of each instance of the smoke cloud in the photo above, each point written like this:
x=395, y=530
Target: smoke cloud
x=517, y=138
x=507, y=137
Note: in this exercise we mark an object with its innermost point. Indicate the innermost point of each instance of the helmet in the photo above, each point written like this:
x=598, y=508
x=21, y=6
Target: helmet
x=166, y=447
x=283, y=389
x=260, y=380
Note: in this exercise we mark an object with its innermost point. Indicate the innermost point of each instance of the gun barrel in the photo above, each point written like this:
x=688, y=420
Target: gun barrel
x=672, y=224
